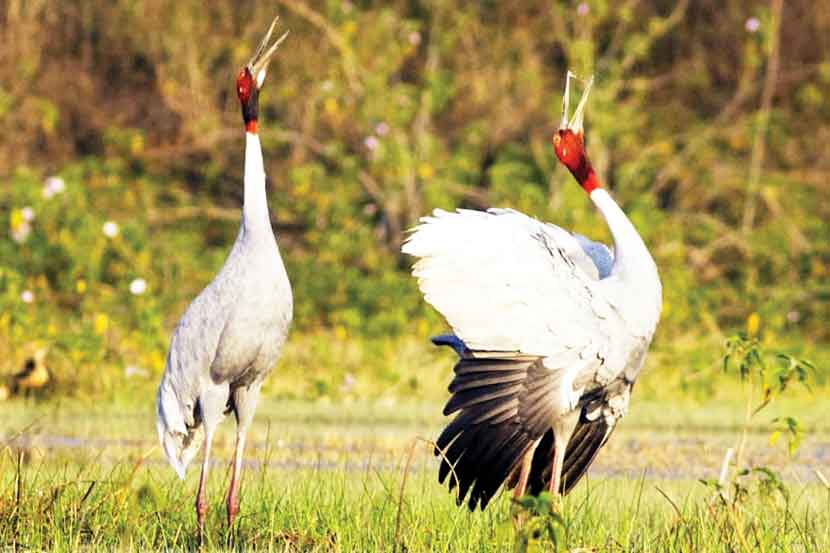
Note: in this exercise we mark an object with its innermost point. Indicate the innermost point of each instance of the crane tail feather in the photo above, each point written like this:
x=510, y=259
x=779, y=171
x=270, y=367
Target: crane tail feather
x=179, y=440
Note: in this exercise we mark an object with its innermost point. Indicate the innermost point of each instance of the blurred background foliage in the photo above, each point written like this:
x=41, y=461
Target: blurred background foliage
x=122, y=151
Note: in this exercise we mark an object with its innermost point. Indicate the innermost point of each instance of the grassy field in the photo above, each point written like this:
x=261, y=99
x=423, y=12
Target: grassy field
x=121, y=186
x=323, y=476
x=353, y=469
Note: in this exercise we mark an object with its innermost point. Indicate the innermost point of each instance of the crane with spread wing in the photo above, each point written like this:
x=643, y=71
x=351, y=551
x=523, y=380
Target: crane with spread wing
x=551, y=330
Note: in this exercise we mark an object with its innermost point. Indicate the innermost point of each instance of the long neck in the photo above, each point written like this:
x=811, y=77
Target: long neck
x=634, y=267
x=629, y=248
x=255, y=206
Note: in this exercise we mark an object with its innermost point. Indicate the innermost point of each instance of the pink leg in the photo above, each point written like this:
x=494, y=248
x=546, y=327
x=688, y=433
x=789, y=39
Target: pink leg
x=233, y=490
x=558, y=461
x=201, y=495
x=563, y=429
x=527, y=461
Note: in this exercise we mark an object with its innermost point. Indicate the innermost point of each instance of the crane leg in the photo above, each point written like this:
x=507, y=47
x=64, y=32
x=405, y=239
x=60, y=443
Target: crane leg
x=244, y=401
x=201, y=495
x=233, y=490
x=211, y=404
x=563, y=429
x=527, y=461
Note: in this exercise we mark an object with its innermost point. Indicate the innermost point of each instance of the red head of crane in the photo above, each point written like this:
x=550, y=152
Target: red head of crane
x=569, y=141
x=250, y=79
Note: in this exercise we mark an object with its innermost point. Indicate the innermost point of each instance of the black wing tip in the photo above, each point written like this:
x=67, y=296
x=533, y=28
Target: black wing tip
x=492, y=430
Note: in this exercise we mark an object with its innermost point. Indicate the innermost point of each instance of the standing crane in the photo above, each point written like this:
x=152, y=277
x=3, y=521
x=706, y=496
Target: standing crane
x=551, y=330
x=232, y=334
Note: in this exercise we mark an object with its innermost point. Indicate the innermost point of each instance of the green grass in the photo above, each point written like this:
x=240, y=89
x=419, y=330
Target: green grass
x=328, y=477
x=69, y=503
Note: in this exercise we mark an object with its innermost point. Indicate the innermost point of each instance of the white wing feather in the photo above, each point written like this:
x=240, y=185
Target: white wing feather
x=507, y=282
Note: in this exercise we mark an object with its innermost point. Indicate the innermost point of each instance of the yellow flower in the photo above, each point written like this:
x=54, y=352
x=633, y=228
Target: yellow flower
x=80, y=286
x=753, y=322
x=16, y=220
x=156, y=360
x=349, y=28
x=330, y=107
x=101, y=323
x=136, y=144
x=425, y=171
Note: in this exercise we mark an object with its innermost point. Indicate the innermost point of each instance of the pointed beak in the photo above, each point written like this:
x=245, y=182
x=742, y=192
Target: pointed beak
x=258, y=65
x=575, y=123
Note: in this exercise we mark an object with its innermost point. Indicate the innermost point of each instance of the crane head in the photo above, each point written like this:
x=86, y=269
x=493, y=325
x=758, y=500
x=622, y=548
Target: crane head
x=569, y=140
x=569, y=148
x=250, y=78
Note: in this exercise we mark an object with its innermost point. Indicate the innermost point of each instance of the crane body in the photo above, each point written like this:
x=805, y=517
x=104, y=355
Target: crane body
x=231, y=335
x=551, y=330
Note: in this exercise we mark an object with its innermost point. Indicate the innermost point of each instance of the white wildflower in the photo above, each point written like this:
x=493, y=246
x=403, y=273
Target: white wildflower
x=110, y=229
x=53, y=186
x=371, y=143
x=349, y=382
x=21, y=232
x=138, y=286
x=27, y=296
x=131, y=371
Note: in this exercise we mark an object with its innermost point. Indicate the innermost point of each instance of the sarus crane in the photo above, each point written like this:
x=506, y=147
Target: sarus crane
x=232, y=334
x=551, y=330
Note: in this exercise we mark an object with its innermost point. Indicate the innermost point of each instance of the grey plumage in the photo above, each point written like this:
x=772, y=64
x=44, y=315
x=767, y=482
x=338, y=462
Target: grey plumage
x=599, y=254
x=226, y=342
x=232, y=334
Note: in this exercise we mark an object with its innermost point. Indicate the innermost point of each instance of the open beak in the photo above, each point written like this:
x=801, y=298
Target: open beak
x=575, y=124
x=258, y=65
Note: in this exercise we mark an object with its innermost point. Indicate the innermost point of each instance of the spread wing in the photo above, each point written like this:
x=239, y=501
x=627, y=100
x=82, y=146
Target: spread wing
x=530, y=320
x=501, y=413
x=507, y=282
